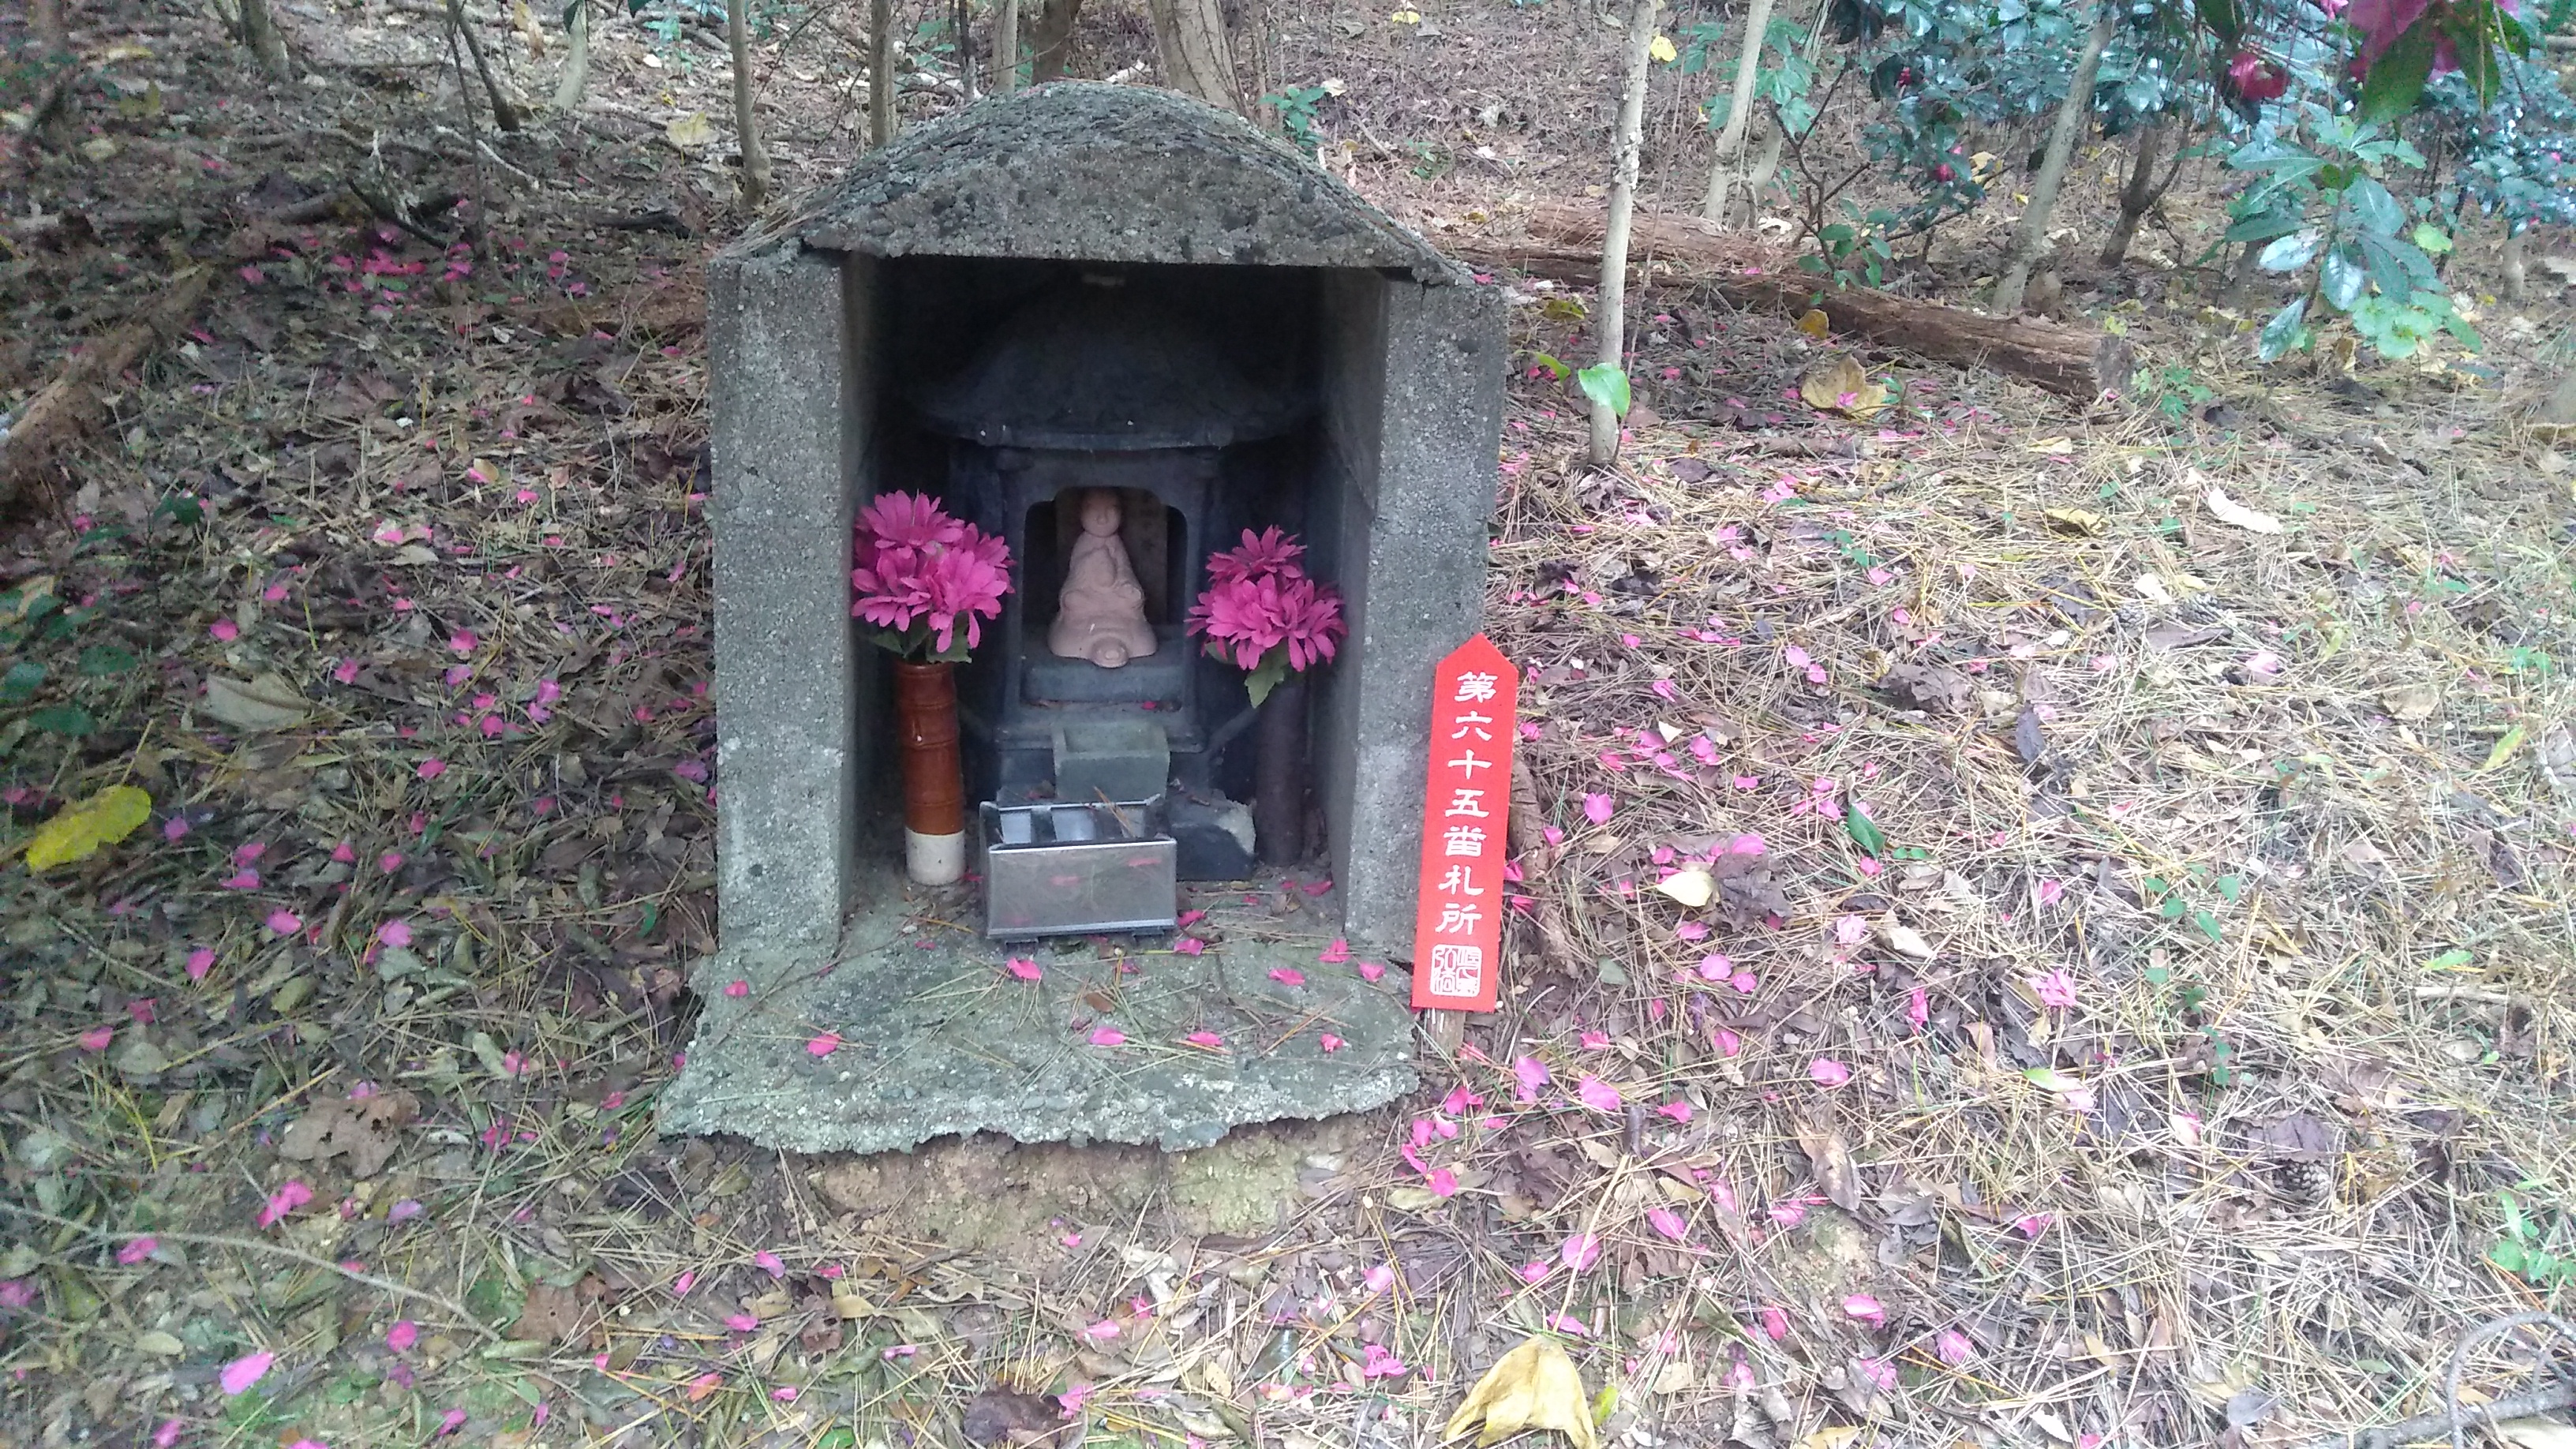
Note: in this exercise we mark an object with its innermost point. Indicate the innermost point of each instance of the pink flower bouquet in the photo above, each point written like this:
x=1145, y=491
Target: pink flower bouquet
x=1262, y=614
x=924, y=579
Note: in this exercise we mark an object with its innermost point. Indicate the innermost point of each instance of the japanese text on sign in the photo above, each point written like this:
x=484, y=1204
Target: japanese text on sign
x=1458, y=928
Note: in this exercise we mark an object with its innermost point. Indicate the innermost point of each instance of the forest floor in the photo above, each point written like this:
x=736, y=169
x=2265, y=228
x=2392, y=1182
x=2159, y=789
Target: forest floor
x=2156, y=1078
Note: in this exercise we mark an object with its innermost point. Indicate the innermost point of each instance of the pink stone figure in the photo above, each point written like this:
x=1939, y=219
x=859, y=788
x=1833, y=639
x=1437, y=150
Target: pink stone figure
x=1101, y=614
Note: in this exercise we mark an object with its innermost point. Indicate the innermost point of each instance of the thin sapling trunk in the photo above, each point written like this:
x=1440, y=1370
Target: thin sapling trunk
x=1609, y=321
x=881, y=113
x=576, y=71
x=1727, y=170
x=1006, y=48
x=259, y=32
x=505, y=111
x=746, y=121
x=2072, y=115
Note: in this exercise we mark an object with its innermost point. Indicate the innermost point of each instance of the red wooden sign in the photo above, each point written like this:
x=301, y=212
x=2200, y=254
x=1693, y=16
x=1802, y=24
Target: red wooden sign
x=1458, y=931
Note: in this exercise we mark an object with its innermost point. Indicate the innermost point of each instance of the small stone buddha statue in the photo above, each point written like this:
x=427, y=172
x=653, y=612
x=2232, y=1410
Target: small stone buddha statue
x=1100, y=616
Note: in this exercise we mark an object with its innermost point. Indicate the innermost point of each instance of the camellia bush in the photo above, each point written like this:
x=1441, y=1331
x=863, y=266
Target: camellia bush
x=2324, y=111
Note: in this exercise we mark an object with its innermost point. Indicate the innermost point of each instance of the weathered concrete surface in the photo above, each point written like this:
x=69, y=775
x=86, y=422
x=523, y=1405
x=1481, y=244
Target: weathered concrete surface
x=935, y=1038
x=793, y=675
x=1412, y=408
x=1089, y=172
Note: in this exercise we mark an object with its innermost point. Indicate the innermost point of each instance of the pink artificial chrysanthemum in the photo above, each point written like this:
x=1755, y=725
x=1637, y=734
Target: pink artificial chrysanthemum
x=1272, y=552
x=906, y=524
x=1246, y=619
x=920, y=573
x=1311, y=615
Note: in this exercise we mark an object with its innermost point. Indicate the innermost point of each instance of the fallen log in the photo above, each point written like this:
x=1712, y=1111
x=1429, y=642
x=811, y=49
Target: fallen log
x=1564, y=242
x=69, y=403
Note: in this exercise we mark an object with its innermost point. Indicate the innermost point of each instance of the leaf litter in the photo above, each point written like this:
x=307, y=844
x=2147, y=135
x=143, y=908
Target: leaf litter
x=436, y=646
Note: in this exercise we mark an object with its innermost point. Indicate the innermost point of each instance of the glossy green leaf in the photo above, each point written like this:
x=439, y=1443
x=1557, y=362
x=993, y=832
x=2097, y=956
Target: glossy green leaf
x=1606, y=385
x=2396, y=80
x=21, y=682
x=2282, y=332
x=1864, y=831
x=2373, y=207
x=2342, y=279
x=2291, y=252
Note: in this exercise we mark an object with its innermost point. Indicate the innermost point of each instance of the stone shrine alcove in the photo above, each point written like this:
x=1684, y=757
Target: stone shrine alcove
x=1071, y=291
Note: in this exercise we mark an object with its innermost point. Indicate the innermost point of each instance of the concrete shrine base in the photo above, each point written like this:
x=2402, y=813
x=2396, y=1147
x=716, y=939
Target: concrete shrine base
x=934, y=1036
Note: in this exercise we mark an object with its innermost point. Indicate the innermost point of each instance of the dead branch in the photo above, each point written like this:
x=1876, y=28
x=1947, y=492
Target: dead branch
x=1564, y=242
x=70, y=403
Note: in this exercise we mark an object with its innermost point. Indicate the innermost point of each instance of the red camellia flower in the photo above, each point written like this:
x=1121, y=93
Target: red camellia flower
x=2256, y=77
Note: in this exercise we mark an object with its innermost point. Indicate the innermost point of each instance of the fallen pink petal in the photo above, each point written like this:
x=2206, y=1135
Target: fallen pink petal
x=1597, y=809
x=1023, y=968
x=241, y=1373
x=824, y=1044
x=1828, y=1073
x=287, y=1198
x=1108, y=1036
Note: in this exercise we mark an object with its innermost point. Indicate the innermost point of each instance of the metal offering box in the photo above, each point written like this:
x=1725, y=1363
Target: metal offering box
x=1055, y=869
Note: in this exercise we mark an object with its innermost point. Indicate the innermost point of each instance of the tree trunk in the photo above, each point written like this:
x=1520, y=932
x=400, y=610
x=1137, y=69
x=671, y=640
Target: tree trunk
x=46, y=19
x=259, y=32
x=881, y=112
x=1610, y=319
x=1047, y=44
x=505, y=109
x=576, y=71
x=2135, y=197
x=1565, y=243
x=1727, y=170
x=1766, y=165
x=2072, y=117
x=1006, y=48
x=961, y=20
x=2516, y=280
x=1190, y=37
x=746, y=121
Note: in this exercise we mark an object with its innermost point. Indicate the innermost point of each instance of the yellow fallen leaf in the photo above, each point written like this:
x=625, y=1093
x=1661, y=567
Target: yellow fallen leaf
x=1406, y=17
x=1691, y=887
x=77, y=831
x=2055, y=447
x=1662, y=50
x=690, y=131
x=1815, y=323
x=1535, y=1386
x=1838, y=385
x=2074, y=520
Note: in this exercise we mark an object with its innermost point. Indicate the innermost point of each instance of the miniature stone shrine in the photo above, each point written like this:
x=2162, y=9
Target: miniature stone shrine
x=1063, y=364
